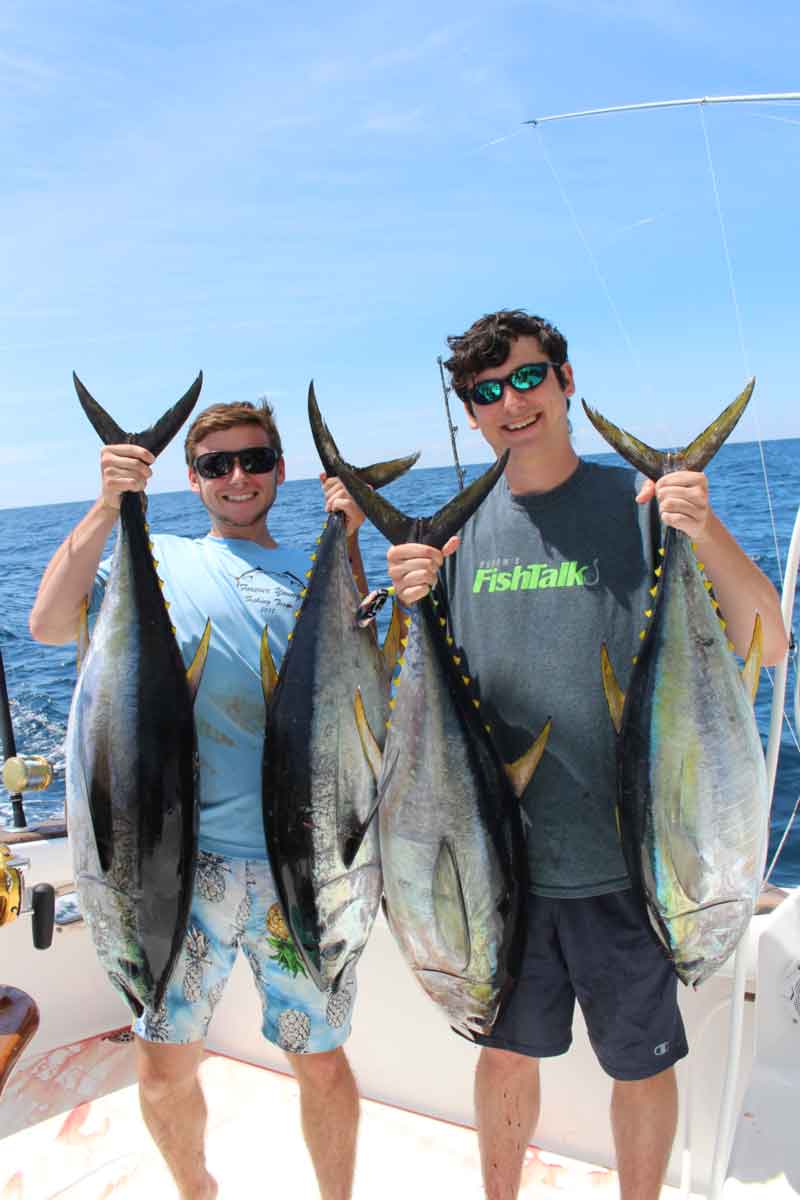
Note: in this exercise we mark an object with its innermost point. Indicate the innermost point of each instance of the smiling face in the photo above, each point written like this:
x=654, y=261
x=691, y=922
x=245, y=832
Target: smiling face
x=532, y=424
x=238, y=502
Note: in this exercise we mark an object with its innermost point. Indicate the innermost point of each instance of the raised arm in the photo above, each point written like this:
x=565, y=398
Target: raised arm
x=741, y=588
x=338, y=499
x=70, y=574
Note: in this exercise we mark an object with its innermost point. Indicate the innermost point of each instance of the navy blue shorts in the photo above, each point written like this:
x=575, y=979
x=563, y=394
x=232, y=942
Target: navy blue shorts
x=600, y=950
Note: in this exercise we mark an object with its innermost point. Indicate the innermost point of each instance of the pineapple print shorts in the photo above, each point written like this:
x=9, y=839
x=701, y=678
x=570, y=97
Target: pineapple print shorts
x=235, y=905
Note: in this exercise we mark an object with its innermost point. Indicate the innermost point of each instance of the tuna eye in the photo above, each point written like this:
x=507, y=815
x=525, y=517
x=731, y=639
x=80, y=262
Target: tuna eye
x=332, y=951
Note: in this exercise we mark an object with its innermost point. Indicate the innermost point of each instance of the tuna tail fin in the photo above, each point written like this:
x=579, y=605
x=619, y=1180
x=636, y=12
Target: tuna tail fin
x=615, y=697
x=694, y=457
x=647, y=460
x=521, y=771
x=377, y=475
x=153, y=439
x=700, y=452
x=752, y=664
x=397, y=527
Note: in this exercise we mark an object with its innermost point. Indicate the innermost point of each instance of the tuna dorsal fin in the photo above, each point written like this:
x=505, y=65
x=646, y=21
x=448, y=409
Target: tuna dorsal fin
x=82, y=648
x=153, y=439
x=269, y=674
x=449, y=909
x=751, y=670
x=397, y=527
x=195, y=672
x=376, y=475
x=521, y=772
x=700, y=452
x=392, y=642
x=615, y=697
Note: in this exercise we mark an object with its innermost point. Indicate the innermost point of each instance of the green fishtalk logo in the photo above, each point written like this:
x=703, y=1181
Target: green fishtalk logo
x=534, y=576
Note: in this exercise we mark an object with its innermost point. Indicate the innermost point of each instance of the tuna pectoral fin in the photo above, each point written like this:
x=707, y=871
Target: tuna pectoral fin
x=269, y=674
x=752, y=664
x=521, y=772
x=449, y=909
x=700, y=452
x=372, y=751
x=195, y=672
x=83, y=632
x=615, y=697
x=353, y=835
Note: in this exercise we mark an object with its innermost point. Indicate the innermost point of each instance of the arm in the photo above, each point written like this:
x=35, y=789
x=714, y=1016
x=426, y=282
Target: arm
x=740, y=587
x=70, y=574
x=338, y=499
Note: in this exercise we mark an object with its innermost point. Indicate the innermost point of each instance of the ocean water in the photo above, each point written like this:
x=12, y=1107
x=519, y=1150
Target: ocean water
x=40, y=678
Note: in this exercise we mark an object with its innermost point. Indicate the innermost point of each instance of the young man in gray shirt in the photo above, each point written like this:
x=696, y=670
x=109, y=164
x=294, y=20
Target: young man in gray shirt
x=558, y=559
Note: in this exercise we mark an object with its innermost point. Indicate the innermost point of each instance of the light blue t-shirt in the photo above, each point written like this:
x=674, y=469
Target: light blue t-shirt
x=240, y=587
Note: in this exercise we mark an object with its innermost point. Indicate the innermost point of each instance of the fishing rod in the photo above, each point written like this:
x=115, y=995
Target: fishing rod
x=757, y=98
x=9, y=746
x=21, y=772
x=446, y=390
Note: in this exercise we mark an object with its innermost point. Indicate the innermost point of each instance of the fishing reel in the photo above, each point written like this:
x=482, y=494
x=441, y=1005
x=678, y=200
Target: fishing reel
x=16, y=899
x=26, y=773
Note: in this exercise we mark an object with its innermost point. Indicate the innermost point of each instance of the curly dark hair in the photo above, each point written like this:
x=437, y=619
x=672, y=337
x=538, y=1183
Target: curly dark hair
x=487, y=343
x=224, y=416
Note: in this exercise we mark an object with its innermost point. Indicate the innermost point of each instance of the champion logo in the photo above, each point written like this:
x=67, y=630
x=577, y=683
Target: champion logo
x=661, y=1048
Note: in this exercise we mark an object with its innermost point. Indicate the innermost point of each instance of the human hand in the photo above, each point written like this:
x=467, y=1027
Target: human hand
x=123, y=468
x=413, y=569
x=683, y=503
x=338, y=499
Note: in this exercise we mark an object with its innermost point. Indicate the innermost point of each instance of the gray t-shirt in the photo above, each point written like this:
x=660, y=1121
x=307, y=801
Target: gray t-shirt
x=539, y=582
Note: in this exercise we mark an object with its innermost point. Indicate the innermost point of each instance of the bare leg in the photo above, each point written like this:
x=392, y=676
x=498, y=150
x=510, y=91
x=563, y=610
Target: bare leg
x=175, y=1112
x=644, y=1115
x=506, y=1110
x=329, y=1112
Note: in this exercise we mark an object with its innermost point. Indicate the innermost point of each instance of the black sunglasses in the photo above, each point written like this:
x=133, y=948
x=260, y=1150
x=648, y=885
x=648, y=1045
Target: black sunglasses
x=522, y=379
x=255, y=460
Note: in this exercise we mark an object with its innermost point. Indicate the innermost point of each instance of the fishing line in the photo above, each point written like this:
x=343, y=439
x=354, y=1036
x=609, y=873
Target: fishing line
x=740, y=328
x=592, y=259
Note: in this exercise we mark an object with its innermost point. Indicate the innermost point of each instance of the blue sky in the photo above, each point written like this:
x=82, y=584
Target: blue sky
x=275, y=192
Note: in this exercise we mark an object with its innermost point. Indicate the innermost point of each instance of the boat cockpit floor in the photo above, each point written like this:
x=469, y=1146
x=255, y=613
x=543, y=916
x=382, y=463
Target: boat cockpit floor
x=71, y=1129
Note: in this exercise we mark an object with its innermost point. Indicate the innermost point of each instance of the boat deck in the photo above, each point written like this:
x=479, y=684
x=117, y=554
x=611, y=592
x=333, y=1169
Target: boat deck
x=71, y=1129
